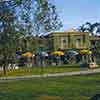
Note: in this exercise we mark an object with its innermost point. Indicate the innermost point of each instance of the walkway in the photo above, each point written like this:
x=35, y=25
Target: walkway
x=84, y=72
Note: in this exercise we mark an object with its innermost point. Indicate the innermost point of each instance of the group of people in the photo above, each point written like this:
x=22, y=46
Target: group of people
x=47, y=59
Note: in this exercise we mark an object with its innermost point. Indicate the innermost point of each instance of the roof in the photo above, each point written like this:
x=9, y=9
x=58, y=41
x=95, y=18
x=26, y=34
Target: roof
x=95, y=38
x=72, y=30
x=69, y=31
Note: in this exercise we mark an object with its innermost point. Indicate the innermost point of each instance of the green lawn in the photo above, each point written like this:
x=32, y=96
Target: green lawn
x=59, y=88
x=41, y=70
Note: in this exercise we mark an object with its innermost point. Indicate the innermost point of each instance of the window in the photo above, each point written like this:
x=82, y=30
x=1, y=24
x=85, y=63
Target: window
x=64, y=41
x=83, y=38
x=78, y=43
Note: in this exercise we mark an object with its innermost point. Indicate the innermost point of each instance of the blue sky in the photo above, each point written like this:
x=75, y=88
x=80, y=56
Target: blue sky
x=74, y=13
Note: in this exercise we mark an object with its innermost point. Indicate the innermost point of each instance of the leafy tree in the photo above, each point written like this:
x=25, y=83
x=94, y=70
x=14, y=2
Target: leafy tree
x=7, y=30
x=19, y=18
x=96, y=28
x=93, y=29
x=46, y=18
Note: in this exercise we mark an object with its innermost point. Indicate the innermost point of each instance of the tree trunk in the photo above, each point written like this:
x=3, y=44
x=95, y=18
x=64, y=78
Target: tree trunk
x=4, y=69
x=4, y=65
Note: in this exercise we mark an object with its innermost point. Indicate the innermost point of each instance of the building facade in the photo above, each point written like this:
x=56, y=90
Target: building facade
x=68, y=40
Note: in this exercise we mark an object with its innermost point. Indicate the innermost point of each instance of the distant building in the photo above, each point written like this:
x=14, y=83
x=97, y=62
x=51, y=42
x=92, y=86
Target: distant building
x=68, y=40
x=94, y=40
x=71, y=39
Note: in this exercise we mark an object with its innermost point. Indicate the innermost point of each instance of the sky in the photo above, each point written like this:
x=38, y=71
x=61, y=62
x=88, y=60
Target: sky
x=74, y=13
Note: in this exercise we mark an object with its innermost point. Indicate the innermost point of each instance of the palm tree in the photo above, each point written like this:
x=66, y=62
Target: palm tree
x=81, y=28
x=87, y=27
x=96, y=28
x=93, y=29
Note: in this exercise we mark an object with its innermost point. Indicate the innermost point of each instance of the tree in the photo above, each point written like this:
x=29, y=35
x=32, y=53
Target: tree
x=19, y=18
x=38, y=16
x=96, y=28
x=46, y=18
x=7, y=30
x=93, y=29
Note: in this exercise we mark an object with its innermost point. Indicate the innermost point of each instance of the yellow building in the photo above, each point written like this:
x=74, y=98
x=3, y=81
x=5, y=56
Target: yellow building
x=68, y=40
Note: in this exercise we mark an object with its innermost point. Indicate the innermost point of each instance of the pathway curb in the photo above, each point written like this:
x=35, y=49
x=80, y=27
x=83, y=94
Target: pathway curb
x=85, y=72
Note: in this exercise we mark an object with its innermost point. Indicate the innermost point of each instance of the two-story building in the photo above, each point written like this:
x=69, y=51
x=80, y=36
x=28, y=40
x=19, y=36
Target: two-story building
x=68, y=40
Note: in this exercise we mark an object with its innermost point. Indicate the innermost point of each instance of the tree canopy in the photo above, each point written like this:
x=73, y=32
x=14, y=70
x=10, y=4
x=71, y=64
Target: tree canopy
x=19, y=18
x=92, y=28
x=24, y=17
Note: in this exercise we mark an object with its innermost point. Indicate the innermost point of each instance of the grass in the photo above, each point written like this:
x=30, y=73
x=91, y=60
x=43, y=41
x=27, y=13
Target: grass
x=58, y=88
x=41, y=70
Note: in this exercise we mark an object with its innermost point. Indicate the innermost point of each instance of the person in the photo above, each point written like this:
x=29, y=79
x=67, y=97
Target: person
x=83, y=64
